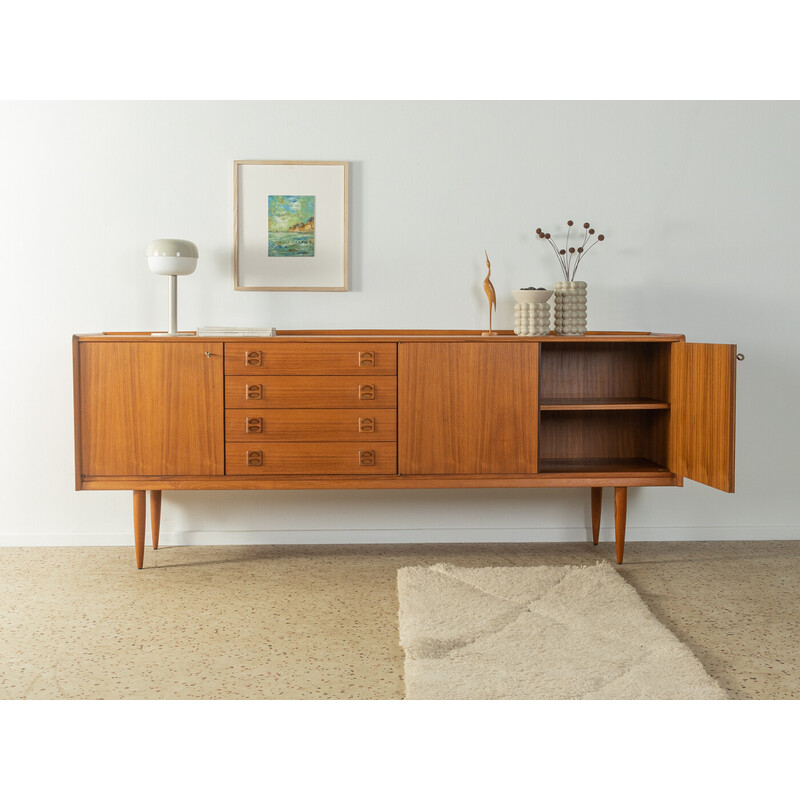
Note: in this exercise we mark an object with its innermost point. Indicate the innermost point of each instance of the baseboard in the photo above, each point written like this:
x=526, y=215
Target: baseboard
x=405, y=536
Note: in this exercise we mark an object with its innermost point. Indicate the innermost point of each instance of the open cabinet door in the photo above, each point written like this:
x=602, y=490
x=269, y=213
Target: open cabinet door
x=703, y=413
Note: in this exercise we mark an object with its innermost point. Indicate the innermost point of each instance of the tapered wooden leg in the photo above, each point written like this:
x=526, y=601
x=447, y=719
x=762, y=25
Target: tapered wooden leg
x=139, y=515
x=620, y=513
x=597, y=507
x=155, y=515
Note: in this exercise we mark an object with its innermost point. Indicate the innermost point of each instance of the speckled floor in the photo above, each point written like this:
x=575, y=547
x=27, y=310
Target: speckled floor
x=318, y=622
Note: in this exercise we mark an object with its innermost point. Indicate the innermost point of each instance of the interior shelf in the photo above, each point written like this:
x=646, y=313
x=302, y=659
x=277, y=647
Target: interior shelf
x=600, y=403
x=604, y=376
x=570, y=436
x=600, y=465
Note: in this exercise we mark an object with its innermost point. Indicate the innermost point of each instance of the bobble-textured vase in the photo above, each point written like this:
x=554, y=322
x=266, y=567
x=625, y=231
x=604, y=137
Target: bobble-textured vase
x=570, y=308
x=532, y=319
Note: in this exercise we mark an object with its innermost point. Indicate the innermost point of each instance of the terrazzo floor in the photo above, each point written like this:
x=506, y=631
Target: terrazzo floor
x=315, y=622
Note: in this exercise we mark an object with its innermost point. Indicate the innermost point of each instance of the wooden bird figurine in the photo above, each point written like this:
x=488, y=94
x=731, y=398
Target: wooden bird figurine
x=490, y=293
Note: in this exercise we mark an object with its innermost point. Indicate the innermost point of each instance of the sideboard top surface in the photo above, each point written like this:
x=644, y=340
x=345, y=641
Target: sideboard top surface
x=391, y=335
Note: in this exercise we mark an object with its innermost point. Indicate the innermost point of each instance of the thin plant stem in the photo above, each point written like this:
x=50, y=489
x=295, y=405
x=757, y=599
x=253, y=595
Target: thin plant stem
x=561, y=261
x=582, y=255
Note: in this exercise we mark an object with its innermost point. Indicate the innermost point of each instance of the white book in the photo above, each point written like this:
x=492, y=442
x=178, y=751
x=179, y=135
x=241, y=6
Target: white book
x=216, y=330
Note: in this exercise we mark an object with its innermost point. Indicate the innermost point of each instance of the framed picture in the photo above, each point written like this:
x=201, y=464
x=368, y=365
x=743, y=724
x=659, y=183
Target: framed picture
x=290, y=226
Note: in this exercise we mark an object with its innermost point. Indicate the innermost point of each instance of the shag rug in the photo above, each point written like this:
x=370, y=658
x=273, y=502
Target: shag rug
x=538, y=633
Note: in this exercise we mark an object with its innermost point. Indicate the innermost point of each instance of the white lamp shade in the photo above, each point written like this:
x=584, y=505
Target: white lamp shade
x=172, y=257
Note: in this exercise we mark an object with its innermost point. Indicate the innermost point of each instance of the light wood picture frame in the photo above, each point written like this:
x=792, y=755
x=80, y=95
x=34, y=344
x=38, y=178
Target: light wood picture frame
x=290, y=226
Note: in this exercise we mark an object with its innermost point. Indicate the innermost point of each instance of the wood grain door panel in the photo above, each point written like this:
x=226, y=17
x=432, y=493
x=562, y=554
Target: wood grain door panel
x=703, y=413
x=468, y=408
x=151, y=408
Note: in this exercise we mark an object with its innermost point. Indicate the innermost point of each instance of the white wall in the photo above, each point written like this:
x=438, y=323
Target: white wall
x=699, y=202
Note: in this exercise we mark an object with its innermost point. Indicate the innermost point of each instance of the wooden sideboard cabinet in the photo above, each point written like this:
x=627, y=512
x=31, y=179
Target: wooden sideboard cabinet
x=401, y=409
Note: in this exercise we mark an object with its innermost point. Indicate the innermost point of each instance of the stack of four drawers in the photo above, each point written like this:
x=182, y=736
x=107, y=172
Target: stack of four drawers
x=295, y=408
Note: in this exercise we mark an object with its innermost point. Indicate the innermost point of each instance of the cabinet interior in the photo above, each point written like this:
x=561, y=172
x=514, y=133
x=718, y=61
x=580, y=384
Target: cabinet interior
x=603, y=406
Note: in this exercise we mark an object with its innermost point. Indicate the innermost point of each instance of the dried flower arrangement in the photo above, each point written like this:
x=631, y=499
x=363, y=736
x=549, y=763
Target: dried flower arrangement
x=566, y=255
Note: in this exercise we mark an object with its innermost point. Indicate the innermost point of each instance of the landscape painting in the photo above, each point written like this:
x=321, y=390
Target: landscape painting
x=290, y=225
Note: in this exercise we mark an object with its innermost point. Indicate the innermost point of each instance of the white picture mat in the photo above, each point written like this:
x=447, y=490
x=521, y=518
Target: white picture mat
x=327, y=268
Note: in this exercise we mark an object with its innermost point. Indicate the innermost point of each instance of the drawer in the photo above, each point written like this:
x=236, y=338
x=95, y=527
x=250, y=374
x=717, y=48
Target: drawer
x=302, y=358
x=311, y=458
x=310, y=391
x=310, y=425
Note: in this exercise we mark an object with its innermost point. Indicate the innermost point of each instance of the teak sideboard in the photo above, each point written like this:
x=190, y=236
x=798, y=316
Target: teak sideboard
x=401, y=409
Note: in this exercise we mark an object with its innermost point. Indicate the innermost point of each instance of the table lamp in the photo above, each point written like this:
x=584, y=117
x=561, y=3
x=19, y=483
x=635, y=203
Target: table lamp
x=172, y=257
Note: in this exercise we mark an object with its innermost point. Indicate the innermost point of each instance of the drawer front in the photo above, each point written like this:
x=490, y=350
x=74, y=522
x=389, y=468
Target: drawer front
x=311, y=458
x=310, y=425
x=295, y=358
x=310, y=391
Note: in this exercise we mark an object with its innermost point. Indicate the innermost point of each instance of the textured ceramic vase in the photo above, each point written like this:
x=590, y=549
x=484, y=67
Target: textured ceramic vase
x=532, y=319
x=570, y=308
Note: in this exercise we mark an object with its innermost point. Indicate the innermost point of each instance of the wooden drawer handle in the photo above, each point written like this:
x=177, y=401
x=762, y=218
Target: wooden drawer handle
x=253, y=358
x=254, y=425
x=366, y=391
x=253, y=391
x=255, y=458
x=366, y=358
x=366, y=424
x=366, y=458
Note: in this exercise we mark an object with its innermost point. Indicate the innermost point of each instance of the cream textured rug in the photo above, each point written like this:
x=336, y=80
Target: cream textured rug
x=538, y=633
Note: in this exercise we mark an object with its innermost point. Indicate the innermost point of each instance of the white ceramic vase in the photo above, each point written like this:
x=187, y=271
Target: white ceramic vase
x=532, y=312
x=570, y=308
x=532, y=319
